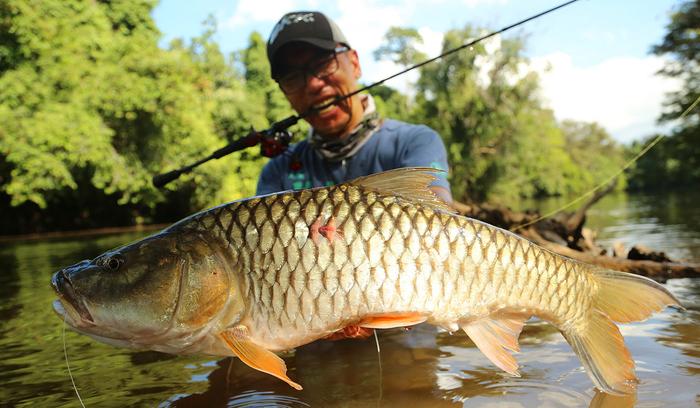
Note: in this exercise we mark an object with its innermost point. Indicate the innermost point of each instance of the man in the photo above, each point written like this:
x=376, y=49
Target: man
x=313, y=63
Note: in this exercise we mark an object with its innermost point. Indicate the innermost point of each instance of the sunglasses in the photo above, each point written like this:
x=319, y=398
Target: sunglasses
x=295, y=80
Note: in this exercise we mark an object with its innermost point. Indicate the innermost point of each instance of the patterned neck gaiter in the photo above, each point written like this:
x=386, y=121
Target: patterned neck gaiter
x=336, y=150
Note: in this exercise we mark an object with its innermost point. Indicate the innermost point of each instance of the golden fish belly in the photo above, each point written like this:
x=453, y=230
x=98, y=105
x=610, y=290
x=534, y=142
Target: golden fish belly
x=315, y=261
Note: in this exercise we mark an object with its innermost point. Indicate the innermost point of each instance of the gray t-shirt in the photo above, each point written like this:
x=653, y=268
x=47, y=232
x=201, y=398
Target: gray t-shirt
x=395, y=145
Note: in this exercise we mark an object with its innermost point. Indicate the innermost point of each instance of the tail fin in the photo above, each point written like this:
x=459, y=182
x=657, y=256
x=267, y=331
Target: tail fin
x=621, y=297
x=625, y=297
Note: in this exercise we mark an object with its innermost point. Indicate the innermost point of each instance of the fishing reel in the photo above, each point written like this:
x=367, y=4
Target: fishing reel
x=274, y=142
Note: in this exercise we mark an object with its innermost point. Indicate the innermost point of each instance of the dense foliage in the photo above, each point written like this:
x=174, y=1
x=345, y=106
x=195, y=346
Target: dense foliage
x=675, y=162
x=503, y=144
x=91, y=108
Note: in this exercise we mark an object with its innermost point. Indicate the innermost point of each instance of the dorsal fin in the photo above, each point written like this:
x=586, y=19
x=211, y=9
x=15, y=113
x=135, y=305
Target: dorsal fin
x=409, y=183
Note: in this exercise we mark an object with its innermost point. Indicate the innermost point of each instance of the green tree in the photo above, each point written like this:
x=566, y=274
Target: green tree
x=391, y=103
x=91, y=108
x=235, y=109
x=502, y=143
x=265, y=99
x=594, y=151
x=677, y=158
x=400, y=46
x=267, y=95
x=656, y=169
x=682, y=44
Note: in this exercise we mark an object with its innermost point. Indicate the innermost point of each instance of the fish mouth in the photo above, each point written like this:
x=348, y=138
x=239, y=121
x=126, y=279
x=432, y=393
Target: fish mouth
x=70, y=316
x=69, y=305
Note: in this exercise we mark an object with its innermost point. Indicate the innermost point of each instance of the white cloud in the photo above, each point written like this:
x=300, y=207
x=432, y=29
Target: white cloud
x=485, y=63
x=431, y=47
x=376, y=70
x=432, y=41
x=623, y=94
x=248, y=11
x=364, y=23
x=475, y=3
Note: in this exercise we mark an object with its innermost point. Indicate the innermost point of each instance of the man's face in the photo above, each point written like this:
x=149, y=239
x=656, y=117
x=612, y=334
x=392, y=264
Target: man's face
x=337, y=120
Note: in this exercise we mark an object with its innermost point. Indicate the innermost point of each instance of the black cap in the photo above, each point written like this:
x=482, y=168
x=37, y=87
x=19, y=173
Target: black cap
x=311, y=27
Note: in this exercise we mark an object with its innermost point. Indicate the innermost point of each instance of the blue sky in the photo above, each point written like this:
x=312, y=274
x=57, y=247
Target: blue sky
x=593, y=56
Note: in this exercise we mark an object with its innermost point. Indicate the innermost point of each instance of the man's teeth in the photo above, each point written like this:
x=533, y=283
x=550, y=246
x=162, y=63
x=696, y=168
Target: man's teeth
x=322, y=103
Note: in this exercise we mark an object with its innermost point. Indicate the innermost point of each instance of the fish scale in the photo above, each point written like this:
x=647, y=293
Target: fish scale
x=380, y=239
x=275, y=272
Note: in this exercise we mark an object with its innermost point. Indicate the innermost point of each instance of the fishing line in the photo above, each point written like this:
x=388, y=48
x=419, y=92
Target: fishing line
x=654, y=142
x=65, y=354
x=276, y=137
x=381, y=375
x=428, y=61
x=228, y=374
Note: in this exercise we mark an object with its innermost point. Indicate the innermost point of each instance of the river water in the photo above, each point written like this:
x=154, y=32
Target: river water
x=421, y=367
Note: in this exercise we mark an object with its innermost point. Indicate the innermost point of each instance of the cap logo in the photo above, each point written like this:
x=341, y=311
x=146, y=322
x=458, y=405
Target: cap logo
x=288, y=20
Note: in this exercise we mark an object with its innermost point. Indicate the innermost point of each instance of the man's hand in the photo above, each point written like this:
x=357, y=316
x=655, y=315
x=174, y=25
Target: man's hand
x=443, y=193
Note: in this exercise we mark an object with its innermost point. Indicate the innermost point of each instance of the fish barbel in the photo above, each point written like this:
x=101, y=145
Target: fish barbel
x=271, y=273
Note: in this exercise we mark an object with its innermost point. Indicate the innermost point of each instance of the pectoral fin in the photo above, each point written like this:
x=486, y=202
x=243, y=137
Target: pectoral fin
x=255, y=356
x=495, y=336
x=392, y=320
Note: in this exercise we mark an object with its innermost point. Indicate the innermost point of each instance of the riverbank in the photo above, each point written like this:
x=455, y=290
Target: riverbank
x=80, y=233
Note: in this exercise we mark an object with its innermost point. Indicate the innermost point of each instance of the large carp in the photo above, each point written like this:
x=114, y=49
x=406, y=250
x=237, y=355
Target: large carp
x=271, y=273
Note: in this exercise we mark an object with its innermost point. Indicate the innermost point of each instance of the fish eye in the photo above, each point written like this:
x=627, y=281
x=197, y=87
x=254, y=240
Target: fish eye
x=114, y=262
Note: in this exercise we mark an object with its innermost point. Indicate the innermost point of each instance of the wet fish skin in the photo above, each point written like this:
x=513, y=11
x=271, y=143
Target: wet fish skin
x=381, y=261
x=153, y=293
x=381, y=252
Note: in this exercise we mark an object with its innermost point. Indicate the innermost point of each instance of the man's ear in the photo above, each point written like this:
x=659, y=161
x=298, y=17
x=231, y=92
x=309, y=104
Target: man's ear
x=355, y=60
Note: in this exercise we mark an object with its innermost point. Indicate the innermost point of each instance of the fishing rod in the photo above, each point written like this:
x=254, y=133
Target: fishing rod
x=275, y=139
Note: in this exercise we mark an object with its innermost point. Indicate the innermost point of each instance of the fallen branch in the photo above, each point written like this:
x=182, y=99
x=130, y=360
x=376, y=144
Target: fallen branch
x=659, y=271
x=566, y=236
x=575, y=221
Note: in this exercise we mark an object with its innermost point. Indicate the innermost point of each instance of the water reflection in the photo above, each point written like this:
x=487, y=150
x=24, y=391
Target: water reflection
x=419, y=368
x=9, y=288
x=424, y=368
x=682, y=331
x=340, y=373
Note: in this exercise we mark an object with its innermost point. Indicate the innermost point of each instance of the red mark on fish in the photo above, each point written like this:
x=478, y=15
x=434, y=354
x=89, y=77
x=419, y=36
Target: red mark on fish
x=328, y=231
